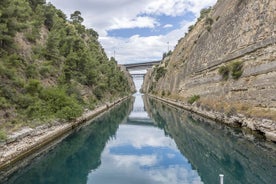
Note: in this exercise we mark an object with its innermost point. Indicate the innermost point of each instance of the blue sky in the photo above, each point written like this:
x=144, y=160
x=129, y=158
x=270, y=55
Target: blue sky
x=165, y=25
x=136, y=30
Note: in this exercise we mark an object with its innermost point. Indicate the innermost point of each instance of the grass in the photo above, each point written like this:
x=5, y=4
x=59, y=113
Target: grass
x=233, y=108
x=193, y=99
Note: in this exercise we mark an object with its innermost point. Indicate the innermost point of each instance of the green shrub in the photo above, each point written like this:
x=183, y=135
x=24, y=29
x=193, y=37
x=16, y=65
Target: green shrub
x=224, y=72
x=98, y=92
x=18, y=82
x=4, y=103
x=30, y=37
x=31, y=72
x=70, y=112
x=209, y=21
x=92, y=102
x=190, y=28
x=193, y=98
x=6, y=72
x=159, y=72
x=59, y=104
x=8, y=92
x=236, y=70
x=204, y=12
x=24, y=101
x=163, y=93
x=45, y=71
x=3, y=135
x=33, y=87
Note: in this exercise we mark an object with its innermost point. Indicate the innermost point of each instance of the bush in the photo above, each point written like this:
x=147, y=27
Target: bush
x=193, y=98
x=3, y=135
x=159, y=72
x=45, y=71
x=236, y=70
x=4, y=103
x=209, y=21
x=33, y=87
x=70, y=112
x=204, y=12
x=24, y=101
x=31, y=72
x=190, y=28
x=56, y=102
x=92, y=102
x=224, y=72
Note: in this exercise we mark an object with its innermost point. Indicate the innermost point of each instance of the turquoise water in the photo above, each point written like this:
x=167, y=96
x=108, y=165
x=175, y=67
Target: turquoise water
x=146, y=142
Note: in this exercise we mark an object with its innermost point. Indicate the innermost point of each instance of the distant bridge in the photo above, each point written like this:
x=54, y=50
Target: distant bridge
x=141, y=66
x=138, y=76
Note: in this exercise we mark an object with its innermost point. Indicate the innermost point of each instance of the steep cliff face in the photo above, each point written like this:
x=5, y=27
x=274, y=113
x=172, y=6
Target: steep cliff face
x=228, y=60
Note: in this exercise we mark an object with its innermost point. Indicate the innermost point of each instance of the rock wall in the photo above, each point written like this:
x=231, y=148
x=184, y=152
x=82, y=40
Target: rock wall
x=240, y=31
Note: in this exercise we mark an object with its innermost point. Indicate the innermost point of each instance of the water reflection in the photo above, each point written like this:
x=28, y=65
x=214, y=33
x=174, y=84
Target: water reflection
x=148, y=142
x=214, y=148
x=77, y=155
x=141, y=153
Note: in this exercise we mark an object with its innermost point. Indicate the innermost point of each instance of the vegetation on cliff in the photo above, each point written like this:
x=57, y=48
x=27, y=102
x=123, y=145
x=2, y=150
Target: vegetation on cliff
x=51, y=67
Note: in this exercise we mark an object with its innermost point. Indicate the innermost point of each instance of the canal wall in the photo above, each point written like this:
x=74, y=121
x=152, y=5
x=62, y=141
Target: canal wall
x=204, y=65
x=28, y=143
x=236, y=120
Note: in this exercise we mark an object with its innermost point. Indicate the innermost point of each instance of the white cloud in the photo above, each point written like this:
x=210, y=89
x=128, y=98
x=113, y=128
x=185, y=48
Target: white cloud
x=138, y=22
x=131, y=167
x=142, y=137
x=142, y=49
x=168, y=26
x=105, y=15
x=167, y=7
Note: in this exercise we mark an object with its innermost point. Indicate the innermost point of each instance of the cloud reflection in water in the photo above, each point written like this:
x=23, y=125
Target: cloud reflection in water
x=143, y=154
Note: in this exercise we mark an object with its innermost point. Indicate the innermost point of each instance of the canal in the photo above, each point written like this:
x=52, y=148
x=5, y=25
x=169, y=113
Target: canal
x=145, y=141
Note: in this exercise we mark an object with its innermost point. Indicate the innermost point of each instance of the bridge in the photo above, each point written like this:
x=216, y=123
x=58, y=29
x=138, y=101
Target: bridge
x=140, y=66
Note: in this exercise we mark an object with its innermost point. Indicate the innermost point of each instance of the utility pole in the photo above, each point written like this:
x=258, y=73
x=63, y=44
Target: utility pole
x=114, y=54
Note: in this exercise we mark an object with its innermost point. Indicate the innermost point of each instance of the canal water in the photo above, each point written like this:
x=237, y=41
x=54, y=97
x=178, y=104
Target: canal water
x=145, y=141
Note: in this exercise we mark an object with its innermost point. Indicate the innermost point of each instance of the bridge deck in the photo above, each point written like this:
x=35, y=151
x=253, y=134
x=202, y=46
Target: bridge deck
x=143, y=65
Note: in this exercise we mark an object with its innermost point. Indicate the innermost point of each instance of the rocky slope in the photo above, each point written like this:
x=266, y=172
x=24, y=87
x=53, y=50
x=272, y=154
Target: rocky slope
x=225, y=66
x=52, y=68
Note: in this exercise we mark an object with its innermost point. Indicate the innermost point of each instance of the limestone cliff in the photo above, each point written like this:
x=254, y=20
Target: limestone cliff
x=234, y=34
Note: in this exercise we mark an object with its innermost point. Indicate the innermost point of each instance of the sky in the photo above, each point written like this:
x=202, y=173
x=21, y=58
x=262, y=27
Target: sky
x=136, y=31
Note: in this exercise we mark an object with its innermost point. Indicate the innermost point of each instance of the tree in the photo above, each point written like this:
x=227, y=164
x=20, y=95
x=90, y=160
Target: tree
x=35, y=3
x=76, y=17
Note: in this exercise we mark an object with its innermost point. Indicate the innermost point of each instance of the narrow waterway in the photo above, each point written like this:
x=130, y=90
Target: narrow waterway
x=144, y=141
